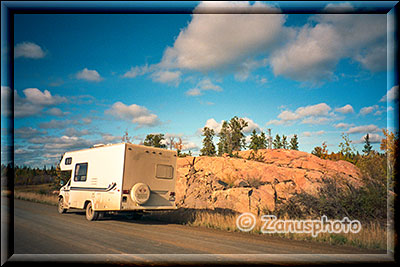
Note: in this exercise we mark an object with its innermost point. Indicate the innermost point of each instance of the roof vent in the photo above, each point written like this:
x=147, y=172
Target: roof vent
x=98, y=145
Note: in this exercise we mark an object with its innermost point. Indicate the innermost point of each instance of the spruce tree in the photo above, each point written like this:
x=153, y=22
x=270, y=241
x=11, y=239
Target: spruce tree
x=277, y=142
x=262, y=141
x=294, y=144
x=238, y=139
x=208, y=145
x=154, y=140
x=254, y=141
x=284, y=142
x=367, y=147
x=224, y=144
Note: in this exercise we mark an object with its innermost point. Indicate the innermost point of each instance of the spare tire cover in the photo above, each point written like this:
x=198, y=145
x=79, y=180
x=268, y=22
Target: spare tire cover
x=140, y=193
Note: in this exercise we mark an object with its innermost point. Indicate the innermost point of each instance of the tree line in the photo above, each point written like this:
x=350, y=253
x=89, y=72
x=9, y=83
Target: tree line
x=24, y=175
x=159, y=140
x=232, y=138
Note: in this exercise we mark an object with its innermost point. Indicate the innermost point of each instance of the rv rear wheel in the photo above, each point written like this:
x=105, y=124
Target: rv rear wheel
x=60, y=206
x=91, y=215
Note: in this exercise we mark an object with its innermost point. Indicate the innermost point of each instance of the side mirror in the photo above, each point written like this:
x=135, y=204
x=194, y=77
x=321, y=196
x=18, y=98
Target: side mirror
x=61, y=182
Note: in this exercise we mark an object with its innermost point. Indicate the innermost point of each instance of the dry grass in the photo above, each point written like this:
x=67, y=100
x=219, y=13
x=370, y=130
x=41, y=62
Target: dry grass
x=371, y=236
x=36, y=197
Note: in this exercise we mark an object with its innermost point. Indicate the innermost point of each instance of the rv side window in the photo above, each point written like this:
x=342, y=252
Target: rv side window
x=80, y=172
x=68, y=161
x=164, y=171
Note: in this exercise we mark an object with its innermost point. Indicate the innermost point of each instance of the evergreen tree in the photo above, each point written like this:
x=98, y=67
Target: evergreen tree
x=224, y=144
x=262, y=141
x=367, y=147
x=238, y=139
x=294, y=144
x=317, y=151
x=254, y=141
x=277, y=142
x=284, y=142
x=154, y=140
x=208, y=145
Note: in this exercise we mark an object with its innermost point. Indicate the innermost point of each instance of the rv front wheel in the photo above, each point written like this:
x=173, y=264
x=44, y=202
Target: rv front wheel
x=91, y=215
x=60, y=206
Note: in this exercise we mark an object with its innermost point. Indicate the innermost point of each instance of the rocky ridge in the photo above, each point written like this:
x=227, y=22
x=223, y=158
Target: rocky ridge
x=256, y=185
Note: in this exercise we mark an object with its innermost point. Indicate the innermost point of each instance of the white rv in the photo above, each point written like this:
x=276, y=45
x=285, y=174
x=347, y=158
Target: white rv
x=118, y=178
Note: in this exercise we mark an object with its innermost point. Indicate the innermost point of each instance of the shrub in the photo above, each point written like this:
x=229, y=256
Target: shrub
x=339, y=199
x=256, y=156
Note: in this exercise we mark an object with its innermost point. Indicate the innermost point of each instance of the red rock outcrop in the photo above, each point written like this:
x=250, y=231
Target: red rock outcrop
x=244, y=185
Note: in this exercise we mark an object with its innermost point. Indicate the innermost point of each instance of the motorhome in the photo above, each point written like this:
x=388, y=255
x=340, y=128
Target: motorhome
x=118, y=178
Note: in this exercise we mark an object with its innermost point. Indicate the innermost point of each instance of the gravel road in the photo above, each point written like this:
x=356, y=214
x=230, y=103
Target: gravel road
x=40, y=233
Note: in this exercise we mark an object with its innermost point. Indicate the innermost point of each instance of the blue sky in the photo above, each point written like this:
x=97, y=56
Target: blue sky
x=84, y=79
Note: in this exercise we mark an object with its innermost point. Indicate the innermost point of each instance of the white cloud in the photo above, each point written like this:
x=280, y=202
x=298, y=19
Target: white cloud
x=373, y=139
x=188, y=145
x=216, y=126
x=287, y=115
x=345, y=109
x=247, y=66
x=263, y=80
x=251, y=126
x=313, y=55
x=391, y=95
x=35, y=96
x=58, y=124
x=276, y=122
x=194, y=92
x=109, y=138
x=28, y=50
x=66, y=142
x=27, y=132
x=223, y=41
x=87, y=120
x=338, y=8
x=203, y=85
x=75, y=132
x=343, y=125
x=166, y=76
x=135, y=113
x=213, y=124
x=316, y=120
x=309, y=134
x=136, y=71
x=312, y=114
x=314, y=110
x=206, y=85
x=56, y=112
x=34, y=102
x=364, y=129
x=89, y=75
x=5, y=100
x=374, y=57
x=367, y=110
x=310, y=57
x=51, y=144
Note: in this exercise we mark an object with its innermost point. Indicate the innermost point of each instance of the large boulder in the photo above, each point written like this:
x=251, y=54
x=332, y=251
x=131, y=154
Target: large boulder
x=241, y=184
